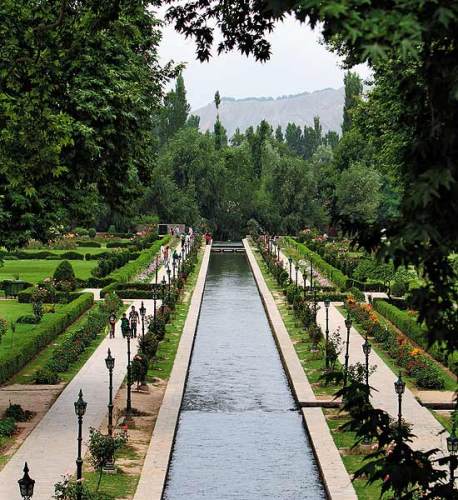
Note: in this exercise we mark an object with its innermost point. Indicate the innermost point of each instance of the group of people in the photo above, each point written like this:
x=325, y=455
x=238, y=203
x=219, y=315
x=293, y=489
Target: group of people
x=128, y=323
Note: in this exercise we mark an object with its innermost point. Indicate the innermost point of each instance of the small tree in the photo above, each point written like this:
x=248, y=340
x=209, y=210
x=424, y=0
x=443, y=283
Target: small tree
x=139, y=369
x=103, y=448
x=64, y=276
x=3, y=327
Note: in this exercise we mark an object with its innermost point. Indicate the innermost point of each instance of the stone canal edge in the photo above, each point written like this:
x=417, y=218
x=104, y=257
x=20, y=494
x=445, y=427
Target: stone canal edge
x=335, y=478
x=154, y=473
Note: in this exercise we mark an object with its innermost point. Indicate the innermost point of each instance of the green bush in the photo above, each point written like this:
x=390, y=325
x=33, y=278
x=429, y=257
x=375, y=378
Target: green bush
x=399, y=288
x=119, y=244
x=64, y=276
x=357, y=294
x=89, y=244
x=43, y=334
x=7, y=427
x=134, y=267
x=92, y=232
x=333, y=274
x=402, y=320
x=45, y=376
x=111, y=262
x=81, y=231
x=27, y=319
x=17, y=413
x=72, y=256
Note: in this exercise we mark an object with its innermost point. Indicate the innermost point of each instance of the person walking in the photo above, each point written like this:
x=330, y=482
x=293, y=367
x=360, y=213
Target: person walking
x=124, y=325
x=112, y=321
x=134, y=320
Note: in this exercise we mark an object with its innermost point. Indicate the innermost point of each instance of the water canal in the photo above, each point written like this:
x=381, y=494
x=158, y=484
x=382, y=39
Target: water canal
x=240, y=435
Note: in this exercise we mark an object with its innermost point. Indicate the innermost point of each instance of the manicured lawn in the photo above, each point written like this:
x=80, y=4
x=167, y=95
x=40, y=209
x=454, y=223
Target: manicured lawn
x=37, y=270
x=12, y=343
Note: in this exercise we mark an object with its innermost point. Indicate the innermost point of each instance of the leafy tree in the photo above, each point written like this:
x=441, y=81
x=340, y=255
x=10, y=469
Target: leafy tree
x=417, y=43
x=279, y=134
x=174, y=114
x=353, y=91
x=358, y=194
x=59, y=141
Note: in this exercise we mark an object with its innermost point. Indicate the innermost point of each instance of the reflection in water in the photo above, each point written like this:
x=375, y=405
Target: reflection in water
x=240, y=435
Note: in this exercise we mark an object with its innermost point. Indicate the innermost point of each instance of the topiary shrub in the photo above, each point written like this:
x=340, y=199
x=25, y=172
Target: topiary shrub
x=64, y=276
x=92, y=232
x=81, y=231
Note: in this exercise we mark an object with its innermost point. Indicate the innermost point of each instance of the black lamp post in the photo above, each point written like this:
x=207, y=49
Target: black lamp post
x=327, y=303
x=182, y=254
x=290, y=260
x=174, y=265
x=296, y=268
x=110, y=362
x=80, y=410
x=399, y=387
x=26, y=484
x=169, y=272
x=278, y=251
x=164, y=287
x=129, y=381
x=179, y=264
x=367, y=350
x=348, y=324
x=315, y=305
x=452, y=447
x=156, y=270
x=143, y=314
x=311, y=274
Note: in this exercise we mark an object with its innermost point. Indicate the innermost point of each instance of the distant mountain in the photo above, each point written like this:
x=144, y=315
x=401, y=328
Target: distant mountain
x=299, y=109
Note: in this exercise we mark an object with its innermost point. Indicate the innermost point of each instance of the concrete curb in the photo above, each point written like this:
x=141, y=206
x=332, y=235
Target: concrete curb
x=154, y=473
x=336, y=480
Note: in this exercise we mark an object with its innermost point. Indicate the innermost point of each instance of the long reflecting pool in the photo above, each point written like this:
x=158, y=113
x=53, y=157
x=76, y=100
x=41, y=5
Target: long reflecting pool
x=240, y=435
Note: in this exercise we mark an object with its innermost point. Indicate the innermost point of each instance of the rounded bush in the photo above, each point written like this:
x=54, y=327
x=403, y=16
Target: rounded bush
x=92, y=232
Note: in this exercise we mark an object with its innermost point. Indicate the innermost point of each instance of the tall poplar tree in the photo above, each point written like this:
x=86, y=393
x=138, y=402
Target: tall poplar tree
x=353, y=92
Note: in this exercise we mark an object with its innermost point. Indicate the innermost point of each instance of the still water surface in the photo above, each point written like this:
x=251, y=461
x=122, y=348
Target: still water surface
x=240, y=435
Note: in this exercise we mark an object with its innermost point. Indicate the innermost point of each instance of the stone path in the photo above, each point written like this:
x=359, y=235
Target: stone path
x=51, y=447
x=425, y=427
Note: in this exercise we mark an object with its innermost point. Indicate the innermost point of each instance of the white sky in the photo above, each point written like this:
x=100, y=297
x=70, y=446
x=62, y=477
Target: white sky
x=298, y=63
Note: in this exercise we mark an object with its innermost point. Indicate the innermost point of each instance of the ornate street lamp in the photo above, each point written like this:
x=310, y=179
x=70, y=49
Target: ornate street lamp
x=129, y=381
x=290, y=260
x=26, y=484
x=169, y=272
x=367, y=350
x=311, y=274
x=110, y=362
x=315, y=305
x=348, y=324
x=179, y=265
x=156, y=270
x=164, y=288
x=278, y=251
x=143, y=314
x=452, y=447
x=327, y=303
x=399, y=387
x=296, y=267
x=174, y=265
x=80, y=410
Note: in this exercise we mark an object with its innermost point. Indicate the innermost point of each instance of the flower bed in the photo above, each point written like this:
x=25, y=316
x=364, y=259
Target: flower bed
x=424, y=371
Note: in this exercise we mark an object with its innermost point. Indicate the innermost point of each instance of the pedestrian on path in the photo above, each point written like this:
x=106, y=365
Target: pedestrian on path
x=134, y=319
x=124, y=325
x=112, y=321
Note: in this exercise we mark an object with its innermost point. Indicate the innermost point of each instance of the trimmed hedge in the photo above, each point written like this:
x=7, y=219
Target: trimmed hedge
x=135, y=290
x=119, y=244
x=402, y=320
x=134, y=267
x=94, y=282
x=25, y=297
x=46, y=255
x=43, y=334
x=88, y=244
x=332, y=273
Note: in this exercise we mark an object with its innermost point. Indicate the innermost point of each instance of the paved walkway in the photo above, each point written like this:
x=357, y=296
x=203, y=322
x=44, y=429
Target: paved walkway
x=51, y=447
x=425, y=427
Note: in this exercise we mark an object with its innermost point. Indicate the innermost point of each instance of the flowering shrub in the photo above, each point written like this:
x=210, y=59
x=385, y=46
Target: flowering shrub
x=421, y=368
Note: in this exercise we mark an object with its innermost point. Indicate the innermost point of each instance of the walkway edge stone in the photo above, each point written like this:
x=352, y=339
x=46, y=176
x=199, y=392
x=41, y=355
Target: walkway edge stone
x=335, y=478
x=154, y=473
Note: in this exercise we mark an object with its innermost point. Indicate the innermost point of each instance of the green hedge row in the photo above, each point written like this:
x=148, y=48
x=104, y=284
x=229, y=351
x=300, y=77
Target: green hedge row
x=402, y=320
x=119, y=244
x=332, y=273
x=89, y=244
x=134, y=267
x=124, y=290
x=25, y=297
x=43, y=334
x=46, y=255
